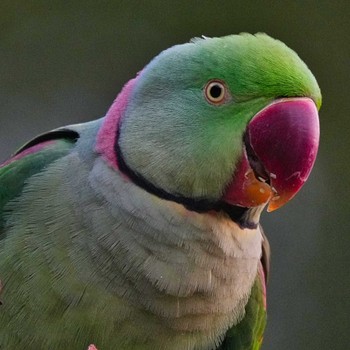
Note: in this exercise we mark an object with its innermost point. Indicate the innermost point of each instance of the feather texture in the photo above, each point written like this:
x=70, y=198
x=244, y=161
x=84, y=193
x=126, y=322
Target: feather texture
x=90, y=256
x=119, y=233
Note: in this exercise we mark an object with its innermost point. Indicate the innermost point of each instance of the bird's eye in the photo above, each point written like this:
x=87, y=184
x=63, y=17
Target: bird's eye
x=215, y=92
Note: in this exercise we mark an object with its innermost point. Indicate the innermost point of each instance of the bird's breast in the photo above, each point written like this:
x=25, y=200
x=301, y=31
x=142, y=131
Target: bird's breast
x=191, y=273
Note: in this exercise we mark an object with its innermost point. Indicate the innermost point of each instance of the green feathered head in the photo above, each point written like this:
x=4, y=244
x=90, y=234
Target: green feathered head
x=230, y=119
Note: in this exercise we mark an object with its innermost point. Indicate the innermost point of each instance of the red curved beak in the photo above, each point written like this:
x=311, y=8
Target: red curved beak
x=281, y=144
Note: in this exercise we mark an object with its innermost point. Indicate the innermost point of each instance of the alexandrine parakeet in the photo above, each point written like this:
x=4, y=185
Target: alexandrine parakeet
x=141, y=230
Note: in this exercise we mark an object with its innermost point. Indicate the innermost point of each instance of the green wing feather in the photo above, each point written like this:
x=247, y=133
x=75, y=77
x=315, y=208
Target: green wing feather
x=30, y=160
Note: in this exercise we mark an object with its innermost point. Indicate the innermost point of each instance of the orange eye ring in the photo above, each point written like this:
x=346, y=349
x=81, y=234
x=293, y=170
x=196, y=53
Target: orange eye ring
x=215, y=92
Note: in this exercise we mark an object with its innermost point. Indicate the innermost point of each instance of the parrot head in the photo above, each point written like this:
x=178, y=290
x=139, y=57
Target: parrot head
x=220, y=123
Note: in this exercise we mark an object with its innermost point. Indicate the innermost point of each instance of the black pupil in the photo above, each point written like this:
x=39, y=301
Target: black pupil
x=215, y=91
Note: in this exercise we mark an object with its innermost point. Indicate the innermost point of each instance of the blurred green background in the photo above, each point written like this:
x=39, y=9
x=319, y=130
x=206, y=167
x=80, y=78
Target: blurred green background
x=64, y=62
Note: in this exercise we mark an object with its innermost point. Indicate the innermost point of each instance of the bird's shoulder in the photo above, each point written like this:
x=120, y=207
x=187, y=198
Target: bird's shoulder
x=31, y=159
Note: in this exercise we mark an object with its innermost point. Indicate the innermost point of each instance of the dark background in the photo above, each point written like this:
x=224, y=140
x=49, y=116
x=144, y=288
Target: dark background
x=64, y=62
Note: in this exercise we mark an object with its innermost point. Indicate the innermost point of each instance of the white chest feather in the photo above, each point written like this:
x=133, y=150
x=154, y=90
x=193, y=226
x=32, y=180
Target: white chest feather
x=192, y=272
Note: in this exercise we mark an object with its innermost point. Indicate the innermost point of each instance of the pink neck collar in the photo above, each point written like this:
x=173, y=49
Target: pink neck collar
x=106, y=137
